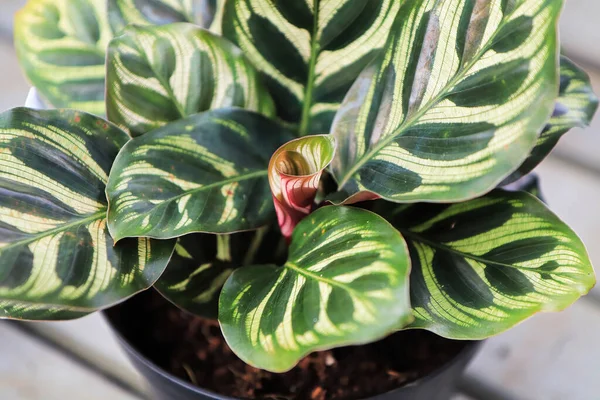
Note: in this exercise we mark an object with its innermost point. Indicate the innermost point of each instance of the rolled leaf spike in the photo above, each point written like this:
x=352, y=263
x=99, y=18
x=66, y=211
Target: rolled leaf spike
x=294, y=173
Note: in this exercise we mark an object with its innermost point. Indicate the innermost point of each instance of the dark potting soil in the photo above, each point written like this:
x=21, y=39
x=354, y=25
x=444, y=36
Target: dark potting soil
x=193, y=349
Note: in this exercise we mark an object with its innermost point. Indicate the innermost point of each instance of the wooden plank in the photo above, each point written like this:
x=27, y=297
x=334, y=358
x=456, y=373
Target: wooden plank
x=31, y=370
x=580, y=35
x=553, y=356
x=92, y=340
x=13, y=83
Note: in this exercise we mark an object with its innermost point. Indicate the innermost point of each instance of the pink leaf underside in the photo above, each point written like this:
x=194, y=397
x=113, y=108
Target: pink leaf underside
x=294, y=174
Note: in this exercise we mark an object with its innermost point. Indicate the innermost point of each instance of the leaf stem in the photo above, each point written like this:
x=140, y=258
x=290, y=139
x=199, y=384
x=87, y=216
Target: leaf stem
x=255, y=245
x=224, y=248
x=310, y=84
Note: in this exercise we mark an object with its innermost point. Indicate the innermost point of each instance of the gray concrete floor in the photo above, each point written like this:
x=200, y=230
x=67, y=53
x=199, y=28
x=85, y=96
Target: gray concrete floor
x=549, y=357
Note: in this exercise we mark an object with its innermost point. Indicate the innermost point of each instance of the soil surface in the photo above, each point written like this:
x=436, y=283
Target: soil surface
x=193, y=349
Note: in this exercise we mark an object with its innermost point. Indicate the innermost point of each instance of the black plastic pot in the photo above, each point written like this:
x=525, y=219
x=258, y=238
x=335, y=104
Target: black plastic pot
x=439, y=385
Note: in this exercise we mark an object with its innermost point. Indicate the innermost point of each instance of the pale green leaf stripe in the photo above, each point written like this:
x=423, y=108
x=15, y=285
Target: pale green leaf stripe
x=159, y=74
x=205, y=173
x=456, y=102
x=309, y=52
x=482, y=266
x=57, y=258
x=345, y=283
x=159, y=12
x=61, y=47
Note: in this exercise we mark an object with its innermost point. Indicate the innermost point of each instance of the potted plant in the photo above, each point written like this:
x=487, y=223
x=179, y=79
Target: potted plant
x=304, y=179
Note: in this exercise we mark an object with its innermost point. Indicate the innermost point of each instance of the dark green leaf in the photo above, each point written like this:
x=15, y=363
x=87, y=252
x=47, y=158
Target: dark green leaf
x=58, y=259
x=345, y=282
x=482, y=266
x=205, y=173
x=453, y=105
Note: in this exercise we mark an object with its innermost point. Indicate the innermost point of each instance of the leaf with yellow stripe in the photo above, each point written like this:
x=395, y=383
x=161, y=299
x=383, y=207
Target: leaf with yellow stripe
x=482, y=266
x=574, y=108
x=159, y=74
x=159, y=12
x=205, y=173
x=61, y=46
x=309, y=52
x=454, y=104
x=57, y=259
x=294, y=174
x=345, y=283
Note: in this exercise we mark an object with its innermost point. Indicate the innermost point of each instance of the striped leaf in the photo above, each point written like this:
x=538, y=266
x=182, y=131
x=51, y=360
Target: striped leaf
x=481, y=267
x=196, y=273
x=294, y=174
x=205, y=173
x=159, y=12
x=57, y=259
x=61, y=47
x=159, y=74
x=455, y=103
x=345, y=282
x=310, y=52
x=574, y=108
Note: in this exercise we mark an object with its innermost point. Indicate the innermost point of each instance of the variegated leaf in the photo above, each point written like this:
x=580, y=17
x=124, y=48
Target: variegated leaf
x=345, y=282
x=294, y=174
x=204, y=173
x=574, y=108
x=310, y=52
x=455, y=103
x=61, y=45
x=482, y=266
x=159, y=74
x=196, y=273
x=159, y=12
x=57, y=259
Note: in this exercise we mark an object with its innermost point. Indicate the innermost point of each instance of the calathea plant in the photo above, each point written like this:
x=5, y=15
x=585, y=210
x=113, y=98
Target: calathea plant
x=360, y=143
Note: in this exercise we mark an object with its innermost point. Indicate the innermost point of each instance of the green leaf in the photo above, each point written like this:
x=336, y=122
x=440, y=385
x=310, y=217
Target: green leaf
x=345, y=283
x=309, y=55
x=574, y=108
x=159, y=74
x=294, y=174
x=194, y=277
x=159, y=12
x=58, y=259
x=206, y=173
x=483, y=266
x=455, y=103
x=61, y=47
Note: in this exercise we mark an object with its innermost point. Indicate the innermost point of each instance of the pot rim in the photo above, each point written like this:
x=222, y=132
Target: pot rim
x=468, y=350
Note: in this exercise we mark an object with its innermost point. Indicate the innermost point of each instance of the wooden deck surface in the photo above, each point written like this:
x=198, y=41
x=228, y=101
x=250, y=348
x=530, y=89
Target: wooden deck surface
x=549, y=357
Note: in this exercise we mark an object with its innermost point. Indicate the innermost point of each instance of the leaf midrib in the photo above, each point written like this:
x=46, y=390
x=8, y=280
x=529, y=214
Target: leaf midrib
x=412, y=120
x=319, y=278
x=238, y=178
x=443, y=247
x=310, y=84
x=61, y=228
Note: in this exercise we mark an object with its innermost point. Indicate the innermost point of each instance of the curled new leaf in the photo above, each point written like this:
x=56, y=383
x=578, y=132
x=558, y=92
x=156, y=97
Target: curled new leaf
x=482, y=266
x=61, y=45
x=345, y=282
x=454, y=104
x=294, y=173
x=57, y=258
x=159, y=74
